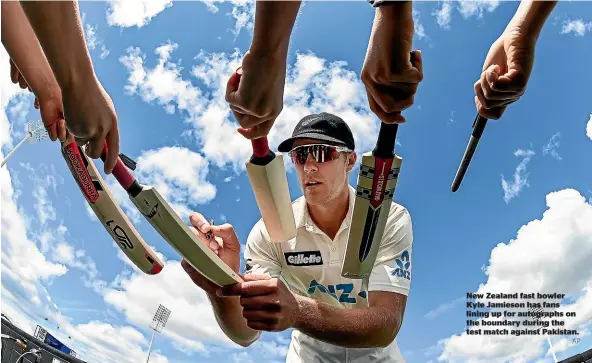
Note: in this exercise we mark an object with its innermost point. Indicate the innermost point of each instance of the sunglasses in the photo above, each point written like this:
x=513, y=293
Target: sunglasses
x=320, y=153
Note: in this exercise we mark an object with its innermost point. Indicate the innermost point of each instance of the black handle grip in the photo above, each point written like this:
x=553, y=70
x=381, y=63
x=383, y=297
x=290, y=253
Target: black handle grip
x=385, y=145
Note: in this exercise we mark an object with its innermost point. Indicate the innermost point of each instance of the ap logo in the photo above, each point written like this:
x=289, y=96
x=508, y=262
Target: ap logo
x=403, y=264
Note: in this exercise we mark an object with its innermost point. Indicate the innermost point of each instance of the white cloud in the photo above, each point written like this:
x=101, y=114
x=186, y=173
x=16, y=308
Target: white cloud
x=419, y=29
x=444, y=14
x=191, y=323
x=178, y=174
x=589, y=127
x=551, y=147
x=539, y=259
x=243, y=12
x=578, y=27
x=512, y=189
x=92, y=39
x=467, y=9
x=137, y=13
x=313, y=85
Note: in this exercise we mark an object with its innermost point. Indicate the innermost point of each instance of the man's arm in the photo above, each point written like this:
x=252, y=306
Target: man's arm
x=259, y=99
x=375, y=326
x=23, y=48
x=89, y=111
x=58, y=27
x=228, y=312
x=274, y=21
x=531, y=16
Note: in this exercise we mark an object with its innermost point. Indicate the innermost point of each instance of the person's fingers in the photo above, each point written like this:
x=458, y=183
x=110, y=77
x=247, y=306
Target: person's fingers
x=259, y=302
x=62, y=130
x=198, y=221
x=255, y=277
x=491, y=113
x=387, y=118
x=14, y=72
x=52, y=131
x=514, y=80
x=232, y=87
x=417, y=62
x=22, y=82
x=258, y=131
x=248, y=121
x=113, y=151
x=95, y=147
x=262, y=316
x=36, y=103
x=198, y=278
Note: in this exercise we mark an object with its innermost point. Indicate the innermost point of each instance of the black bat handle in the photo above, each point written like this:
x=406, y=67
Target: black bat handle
x=479, y=126
x=385, y=145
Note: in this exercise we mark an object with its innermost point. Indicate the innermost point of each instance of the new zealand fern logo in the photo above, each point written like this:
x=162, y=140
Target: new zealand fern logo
x=403, y=265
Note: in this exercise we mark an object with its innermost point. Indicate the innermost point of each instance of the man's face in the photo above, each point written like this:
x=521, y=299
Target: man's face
x=329, y=177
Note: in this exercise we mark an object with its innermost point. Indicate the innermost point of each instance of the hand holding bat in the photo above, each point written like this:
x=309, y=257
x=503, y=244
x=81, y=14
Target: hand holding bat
x=267, y=303
x=224, y=244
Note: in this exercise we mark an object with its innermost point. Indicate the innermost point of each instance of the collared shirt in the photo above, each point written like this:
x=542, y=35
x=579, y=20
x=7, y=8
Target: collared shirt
x=310, y=265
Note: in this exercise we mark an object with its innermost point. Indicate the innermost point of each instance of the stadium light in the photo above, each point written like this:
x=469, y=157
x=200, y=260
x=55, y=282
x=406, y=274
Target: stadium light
x=158, y=323
x=35, y=132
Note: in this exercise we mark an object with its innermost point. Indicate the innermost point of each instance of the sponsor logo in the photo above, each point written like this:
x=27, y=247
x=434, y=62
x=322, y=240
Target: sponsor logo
x=81, y=175
x=403, y=266
x=304, y=258
x=122, y=237
x=340, y=292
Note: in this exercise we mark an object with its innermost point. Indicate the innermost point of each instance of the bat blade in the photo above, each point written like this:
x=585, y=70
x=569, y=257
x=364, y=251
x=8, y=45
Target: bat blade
x=270, y=186
x=109, y=213
x=377, y=180
x=168, y=224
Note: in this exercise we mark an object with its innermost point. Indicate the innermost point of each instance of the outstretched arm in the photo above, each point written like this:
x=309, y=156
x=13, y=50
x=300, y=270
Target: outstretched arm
x=25, y=52
x=89, y=111
x=258, y=100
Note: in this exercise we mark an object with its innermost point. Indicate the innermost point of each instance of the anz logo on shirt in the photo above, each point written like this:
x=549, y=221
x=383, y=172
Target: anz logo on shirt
x=403, y=266
x=340, y=292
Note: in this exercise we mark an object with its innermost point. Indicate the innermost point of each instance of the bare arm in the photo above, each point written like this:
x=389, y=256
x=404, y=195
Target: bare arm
x=375, y=326
x=58, y=27
x=530, y=17
x=274, y=21
x=21, y=44
x=229, y=315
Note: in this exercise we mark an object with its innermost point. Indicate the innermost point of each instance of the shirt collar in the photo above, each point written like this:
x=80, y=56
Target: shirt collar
x=303, y=220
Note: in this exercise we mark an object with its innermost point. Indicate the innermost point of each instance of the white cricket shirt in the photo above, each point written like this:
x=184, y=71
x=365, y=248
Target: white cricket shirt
x=310, y=265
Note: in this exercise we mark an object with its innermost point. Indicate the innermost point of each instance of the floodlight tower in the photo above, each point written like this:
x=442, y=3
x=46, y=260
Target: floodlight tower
x=158, y=322
x=35, y=132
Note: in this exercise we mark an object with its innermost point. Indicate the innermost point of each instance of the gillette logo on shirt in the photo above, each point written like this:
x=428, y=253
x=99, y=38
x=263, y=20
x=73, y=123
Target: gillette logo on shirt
x=304, y=258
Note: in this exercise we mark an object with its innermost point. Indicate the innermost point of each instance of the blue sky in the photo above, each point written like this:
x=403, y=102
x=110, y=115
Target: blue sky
x=526, y=197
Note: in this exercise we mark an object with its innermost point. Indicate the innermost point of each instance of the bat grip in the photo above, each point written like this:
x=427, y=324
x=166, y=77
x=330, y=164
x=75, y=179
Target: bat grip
x=120, y=172
x=385, y=144
x=479, y=126
x=260, y=147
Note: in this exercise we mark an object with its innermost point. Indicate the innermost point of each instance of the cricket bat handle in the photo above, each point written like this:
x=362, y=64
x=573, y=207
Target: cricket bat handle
x=260, y=147
x=120, y=172
x=385, y=145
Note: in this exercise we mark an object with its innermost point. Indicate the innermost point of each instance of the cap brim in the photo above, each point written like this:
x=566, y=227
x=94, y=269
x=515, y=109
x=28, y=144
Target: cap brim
x=286, y=145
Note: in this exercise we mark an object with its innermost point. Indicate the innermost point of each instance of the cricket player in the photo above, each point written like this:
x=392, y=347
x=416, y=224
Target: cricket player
x=297, y=284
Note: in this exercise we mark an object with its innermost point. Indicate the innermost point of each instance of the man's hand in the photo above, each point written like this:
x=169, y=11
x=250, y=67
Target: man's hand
x=391, y=79
x=267, y=303
x=259, y=98
x=505, y=74
x=90, y=116
x=222, y=241
x=51, y=109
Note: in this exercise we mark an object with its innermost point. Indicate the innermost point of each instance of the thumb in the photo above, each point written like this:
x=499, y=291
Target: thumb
x=232, y=86
x=255, y=277
x=513, y=80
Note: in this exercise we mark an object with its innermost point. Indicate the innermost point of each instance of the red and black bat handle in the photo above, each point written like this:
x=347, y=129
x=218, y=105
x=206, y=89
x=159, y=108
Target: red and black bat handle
x=387, y=135
x=123, y=175
x=262, y=154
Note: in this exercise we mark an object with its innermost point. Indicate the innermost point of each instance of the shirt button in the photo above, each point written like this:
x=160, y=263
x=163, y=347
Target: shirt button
x=333, y=248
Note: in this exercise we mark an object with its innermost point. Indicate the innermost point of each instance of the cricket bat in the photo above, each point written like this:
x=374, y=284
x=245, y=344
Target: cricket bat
x=377, y=180
x=108, y=211
x=167, y=223
x=269, y=182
